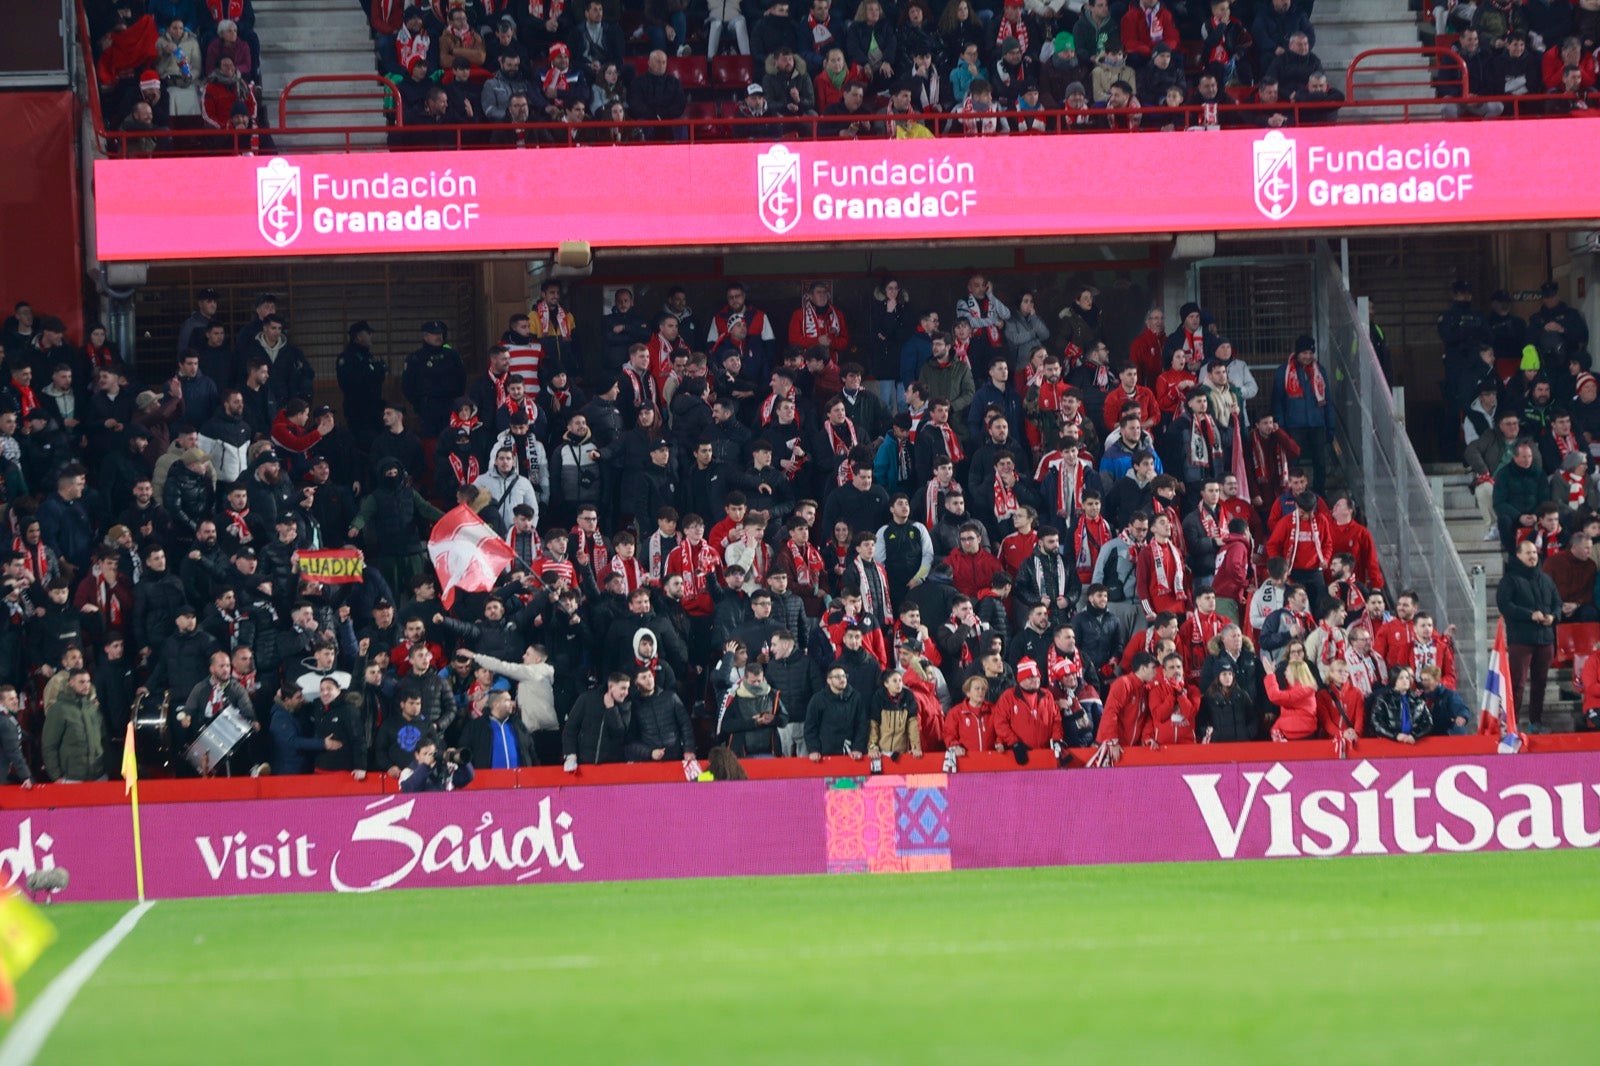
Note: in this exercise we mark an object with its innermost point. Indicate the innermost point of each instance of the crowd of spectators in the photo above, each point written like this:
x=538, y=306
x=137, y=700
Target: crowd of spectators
x=1530, y=436
x=971, y=66
x=801, y=532
x=163, y=65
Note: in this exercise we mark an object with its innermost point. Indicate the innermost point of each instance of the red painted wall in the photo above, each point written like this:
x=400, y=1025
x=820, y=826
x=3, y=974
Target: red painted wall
x=41, y=241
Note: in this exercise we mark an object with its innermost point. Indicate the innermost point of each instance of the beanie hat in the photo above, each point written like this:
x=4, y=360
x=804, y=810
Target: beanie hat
x=1188, y=309
x=1583, y=379
x=1530, y=358
x=1305, y=343
x=1026, y=669
x=1572, y=461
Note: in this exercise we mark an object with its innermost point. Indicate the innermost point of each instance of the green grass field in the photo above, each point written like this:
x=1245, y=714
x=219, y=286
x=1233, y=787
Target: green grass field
x=1458, y=959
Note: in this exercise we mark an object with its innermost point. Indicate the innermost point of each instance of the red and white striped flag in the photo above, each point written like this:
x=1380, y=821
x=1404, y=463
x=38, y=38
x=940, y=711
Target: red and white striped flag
x=1499, y=714
x=466, y=554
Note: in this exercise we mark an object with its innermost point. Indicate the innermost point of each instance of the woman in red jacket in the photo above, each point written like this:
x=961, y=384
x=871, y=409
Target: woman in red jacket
x=1340, y=705
x=1174, y=705
x=1295, y=697
x=967, y=725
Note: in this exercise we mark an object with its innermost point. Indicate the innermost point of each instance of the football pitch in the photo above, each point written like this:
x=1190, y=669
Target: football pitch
x=1463, y=959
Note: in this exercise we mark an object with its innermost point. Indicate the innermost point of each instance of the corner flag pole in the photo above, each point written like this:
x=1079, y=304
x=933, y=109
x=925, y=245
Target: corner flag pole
x=130, y=775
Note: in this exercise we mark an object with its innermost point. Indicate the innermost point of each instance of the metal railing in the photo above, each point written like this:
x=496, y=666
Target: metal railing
x=1405, y=519
x=1424, y=69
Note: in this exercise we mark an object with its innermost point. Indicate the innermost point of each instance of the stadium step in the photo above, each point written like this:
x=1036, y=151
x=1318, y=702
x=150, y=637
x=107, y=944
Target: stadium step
x=310, y=37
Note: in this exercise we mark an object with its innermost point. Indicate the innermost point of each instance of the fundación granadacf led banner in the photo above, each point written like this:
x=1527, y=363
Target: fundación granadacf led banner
x=381, y=203
x=1389, y=806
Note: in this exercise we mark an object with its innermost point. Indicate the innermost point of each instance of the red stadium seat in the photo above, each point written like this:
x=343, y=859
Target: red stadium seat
x=640, y=64
x=701, y=111
x=731, y=72
x=690, y=70
x=1241, y=94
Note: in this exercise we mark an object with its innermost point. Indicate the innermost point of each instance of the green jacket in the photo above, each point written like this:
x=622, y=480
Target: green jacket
x=74, y=738
x=952, y=382
x=1517, y=491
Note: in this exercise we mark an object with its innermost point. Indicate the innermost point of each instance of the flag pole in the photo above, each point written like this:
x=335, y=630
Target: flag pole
x=130, y=775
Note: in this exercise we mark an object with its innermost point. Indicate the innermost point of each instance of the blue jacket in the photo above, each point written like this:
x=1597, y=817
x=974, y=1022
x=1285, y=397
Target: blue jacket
x=1118, y=460
x=885, y=470
x=291, y=748
x=917, y=349
x=66, y=528
x=1447, y=706
x=1302, y=412
x=1006, y=399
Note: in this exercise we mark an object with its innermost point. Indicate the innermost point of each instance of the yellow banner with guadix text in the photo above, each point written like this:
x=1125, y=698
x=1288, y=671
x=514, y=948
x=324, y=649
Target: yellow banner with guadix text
x=332, y=566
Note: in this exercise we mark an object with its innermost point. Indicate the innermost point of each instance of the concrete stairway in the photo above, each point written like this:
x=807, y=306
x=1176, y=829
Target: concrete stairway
x=1348, y=27
x=1453, y=490
x=302, y=37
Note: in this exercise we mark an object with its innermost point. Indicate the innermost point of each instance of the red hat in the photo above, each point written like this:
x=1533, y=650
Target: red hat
x=1026, y=669
x=1065, y=668
x=1583, y=379
x=149, y=80
x=559, y=49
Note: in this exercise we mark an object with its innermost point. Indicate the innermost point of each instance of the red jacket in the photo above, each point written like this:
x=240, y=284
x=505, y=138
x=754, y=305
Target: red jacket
x=118, y=610
x=1168, y=700
x=1232, y=580
x=1150, y=592
x=1194, y=638
x=972, y=729
x=1354, y=540
x=1590, y=678
x=1016, y=549
x=971, y=573
x=930, y=716
x=1144, y=640
x=1350, y=702
x=1145, y=353
x=1127, y=716
x=1030, y=717
x=1393, y=634
x=1312, y=548
x=293, y=438
x=1136, y=38
x=1116, y=398
x=1404, y=653
x=1297, y=707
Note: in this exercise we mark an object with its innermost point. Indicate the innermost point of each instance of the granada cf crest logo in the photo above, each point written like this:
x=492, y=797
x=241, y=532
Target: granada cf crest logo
x=1277, y=179
x=278, y=202
x=778, y=184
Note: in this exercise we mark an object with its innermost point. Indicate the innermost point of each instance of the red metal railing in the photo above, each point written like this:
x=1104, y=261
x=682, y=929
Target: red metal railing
x=344, y=103
x=1377, y=62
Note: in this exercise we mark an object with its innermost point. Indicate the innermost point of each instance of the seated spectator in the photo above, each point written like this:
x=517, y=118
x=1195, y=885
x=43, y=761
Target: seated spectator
x=495, y=99
x=1451, y=716
x=1573, y=571
x=1294, y=68
x=869, y=42
x=460, y=39
x=1164, y=72
x=904, y=124
x=967, y=70
x=787, y=84
x=755, y=106
x=1399, y=712
x=1570, y=52
x=594, y=42
x=1495, y=20
x=1518, y=70
x=222, y=91
x=1274, y=24
x=667, y=26
x=1317, y=91
x=1576, y=98
x=657, y=94
x=726, y=15
x=1480, y=78
x=1111, y=68
x=561, y=84
x=1222, y=41
x=979, y=112
x=774, y=30
x=1143, y=25
x=609, y=88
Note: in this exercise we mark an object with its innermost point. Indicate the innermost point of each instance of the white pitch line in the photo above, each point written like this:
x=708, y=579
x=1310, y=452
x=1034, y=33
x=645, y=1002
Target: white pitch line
x=31, y=1031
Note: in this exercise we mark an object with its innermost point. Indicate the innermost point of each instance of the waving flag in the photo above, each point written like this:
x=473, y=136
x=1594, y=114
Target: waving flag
x=1499, y=714
x=466, y=554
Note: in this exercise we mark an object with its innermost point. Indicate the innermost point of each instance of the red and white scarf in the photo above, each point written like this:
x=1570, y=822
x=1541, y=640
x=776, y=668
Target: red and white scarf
x=554, y=83
x=806, y=565
x=1071, y=477
x=239, y=523
x=644, y=388
x=1204, y=440
x=1102, y=377
x=1424, y=654
x=593, y=543
x=1087, y=539
x=110, y=606
x=1295, y=536
x=544, y=12
x=1219, y=52
x=1005, y=500
x=1258, y=456
x=952, y=446
x=657, y=549
x=38, y=562
x=874, y=582
x=1293, y=387
x=1008, y=30
x=1210, y=522
x=1334, y=645
x=468, y=424
x=841, y=438
x=218, y=699
x=465, y=472
x=553, y=321
x=820, y=324
x=633, y=574
x=26, y=400
x=933, y=496
x=1575, y=488
x=1166, y=567
x=769, y=408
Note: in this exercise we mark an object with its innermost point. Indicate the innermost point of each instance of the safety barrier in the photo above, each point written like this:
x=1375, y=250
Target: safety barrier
x=903, y=822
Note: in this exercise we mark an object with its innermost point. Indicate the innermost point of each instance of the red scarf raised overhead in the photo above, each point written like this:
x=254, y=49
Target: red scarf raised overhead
x=553, y=321
x=466, y=472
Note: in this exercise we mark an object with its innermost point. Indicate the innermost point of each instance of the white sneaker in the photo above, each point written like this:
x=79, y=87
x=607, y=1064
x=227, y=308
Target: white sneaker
x=1491, y=534
x=684, y=50
x=259, y=769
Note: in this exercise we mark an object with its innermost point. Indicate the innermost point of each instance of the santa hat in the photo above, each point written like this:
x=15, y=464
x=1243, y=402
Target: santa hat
x=1026, y=669
x=149, y=80
x=559, y=49
x=1066, y=668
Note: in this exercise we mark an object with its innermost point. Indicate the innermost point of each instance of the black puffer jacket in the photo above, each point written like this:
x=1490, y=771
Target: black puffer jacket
x=187, y=497
x=659, y=721
x=181, y=663
x=832, y=721
x=1524, y=590
x=795, y=677
x=1234, y=717
x=156, y=601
